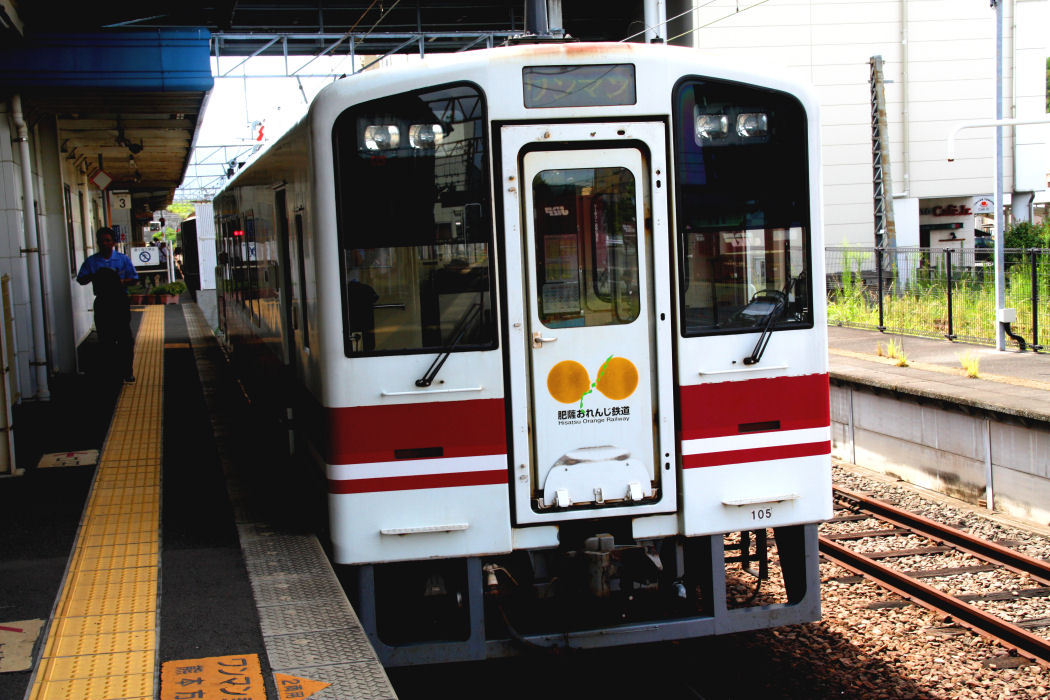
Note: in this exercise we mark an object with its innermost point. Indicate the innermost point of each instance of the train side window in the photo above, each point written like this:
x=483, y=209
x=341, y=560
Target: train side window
x=415, y=227
x=742, y=208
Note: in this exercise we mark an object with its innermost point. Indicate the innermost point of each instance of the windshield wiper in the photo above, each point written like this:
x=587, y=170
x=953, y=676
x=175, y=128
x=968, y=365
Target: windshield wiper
x=779, y=304
x=458, y=332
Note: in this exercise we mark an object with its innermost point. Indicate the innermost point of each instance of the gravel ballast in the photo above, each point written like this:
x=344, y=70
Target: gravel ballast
x=872, y=644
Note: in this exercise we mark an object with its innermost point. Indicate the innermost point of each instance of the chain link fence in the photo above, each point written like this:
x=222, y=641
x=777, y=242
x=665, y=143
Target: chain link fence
x=938, y=292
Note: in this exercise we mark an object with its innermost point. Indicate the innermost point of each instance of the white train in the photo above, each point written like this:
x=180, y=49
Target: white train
x=545, y=316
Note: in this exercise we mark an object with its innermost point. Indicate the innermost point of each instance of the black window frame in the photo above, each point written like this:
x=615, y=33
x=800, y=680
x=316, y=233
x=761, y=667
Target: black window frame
x=350, y=115
x=805, y=218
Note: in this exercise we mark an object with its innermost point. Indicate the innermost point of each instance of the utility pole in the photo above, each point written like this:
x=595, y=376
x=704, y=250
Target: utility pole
x=1000, y=275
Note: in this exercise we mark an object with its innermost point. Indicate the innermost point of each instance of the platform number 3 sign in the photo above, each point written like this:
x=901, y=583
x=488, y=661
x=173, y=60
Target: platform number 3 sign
x=121, y=200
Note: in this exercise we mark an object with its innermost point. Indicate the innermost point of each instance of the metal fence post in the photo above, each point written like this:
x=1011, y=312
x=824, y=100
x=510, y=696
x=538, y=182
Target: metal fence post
x=1035, y=301
x=948, y=263
x=878, y=274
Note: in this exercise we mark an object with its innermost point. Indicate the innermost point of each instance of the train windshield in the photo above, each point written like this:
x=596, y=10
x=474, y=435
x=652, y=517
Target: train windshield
x=742, y=205
x=414, y=223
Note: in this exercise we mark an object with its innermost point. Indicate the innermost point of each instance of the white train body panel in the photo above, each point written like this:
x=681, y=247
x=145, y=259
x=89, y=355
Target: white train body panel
x=511, y=327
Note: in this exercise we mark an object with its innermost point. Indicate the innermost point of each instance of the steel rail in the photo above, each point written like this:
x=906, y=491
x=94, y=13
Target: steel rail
x=963, y=613
x=973, y=618
x=982, y=549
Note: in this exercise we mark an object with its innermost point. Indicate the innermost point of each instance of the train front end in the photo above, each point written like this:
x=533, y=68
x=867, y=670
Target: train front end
x=572, y=362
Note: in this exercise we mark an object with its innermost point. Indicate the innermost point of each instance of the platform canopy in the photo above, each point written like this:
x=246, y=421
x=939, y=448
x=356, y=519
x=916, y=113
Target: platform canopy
x=307, y=25
x=125, y=103
x=128, y=81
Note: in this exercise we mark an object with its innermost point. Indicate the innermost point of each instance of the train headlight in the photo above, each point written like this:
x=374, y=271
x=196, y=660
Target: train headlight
x=711, y=126
x=752, y=124
x=425, y=136
x=382, y=137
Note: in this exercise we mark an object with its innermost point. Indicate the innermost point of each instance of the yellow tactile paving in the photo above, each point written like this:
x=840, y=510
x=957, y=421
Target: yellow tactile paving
x=72, y=645
x=102, y=642
x=119, y=555
x=99, y=625
x=124, y=687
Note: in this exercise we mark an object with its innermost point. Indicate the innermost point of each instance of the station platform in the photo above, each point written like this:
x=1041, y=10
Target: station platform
x=183, y=561
x=1011, y=383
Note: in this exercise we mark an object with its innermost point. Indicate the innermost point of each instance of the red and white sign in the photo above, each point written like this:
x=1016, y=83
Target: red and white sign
x=983, y=205
x=101, y=179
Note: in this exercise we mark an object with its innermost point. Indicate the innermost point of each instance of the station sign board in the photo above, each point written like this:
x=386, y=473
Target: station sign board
x=146, y=256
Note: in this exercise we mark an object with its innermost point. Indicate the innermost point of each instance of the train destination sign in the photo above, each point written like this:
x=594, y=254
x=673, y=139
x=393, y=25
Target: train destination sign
x=599, y=85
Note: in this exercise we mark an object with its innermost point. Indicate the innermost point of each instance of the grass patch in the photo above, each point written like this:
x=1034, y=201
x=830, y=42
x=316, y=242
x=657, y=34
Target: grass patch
x=921, y=306
x=971, y=363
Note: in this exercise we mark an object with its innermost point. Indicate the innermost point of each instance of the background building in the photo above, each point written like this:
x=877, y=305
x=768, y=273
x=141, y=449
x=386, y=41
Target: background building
x=939, y=66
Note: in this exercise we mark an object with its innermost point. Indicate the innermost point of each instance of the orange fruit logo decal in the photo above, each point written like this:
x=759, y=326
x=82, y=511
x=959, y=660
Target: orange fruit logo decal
x=568, y=381
x=617, y=379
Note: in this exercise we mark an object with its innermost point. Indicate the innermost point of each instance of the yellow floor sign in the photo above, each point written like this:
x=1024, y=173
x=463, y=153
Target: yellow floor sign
x=296, y=688
x=227, y=677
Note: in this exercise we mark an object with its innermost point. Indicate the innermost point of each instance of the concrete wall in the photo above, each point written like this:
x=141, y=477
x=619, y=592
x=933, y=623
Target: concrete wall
x=55, y=251
x=945, y=450
x=66, y=304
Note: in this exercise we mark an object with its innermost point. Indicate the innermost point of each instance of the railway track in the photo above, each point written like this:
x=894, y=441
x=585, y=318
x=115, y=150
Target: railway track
x=896, y=526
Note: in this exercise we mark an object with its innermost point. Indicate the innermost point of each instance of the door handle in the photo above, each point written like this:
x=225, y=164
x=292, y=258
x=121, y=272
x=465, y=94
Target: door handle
x=538, y=340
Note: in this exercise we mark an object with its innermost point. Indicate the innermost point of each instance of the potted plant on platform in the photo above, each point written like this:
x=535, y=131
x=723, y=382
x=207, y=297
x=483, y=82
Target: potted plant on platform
x=137, y=294
x=169, y=293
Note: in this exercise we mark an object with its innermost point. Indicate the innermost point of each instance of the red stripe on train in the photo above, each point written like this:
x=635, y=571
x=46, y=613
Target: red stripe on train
x=718, y=410
x=756, y=454
x=420, y=481
x=360, y=434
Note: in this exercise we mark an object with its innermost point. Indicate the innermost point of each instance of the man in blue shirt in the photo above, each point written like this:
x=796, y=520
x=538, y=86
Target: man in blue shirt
x=109, y=272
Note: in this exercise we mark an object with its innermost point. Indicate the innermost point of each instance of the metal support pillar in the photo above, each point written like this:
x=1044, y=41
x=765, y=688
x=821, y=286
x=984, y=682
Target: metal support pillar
x=1000, y=275
x=31, y=249
x=882, y=185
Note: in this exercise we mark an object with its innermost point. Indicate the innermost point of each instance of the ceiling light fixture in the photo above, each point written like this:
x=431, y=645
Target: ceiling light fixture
x=122, y=140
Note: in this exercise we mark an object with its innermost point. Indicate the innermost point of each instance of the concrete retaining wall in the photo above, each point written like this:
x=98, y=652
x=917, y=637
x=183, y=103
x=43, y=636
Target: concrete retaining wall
x=952, y=450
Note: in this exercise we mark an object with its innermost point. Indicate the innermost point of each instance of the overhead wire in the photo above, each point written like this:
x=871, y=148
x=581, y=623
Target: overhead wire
x=669, y=19
x=716, y=21
x=371, y=29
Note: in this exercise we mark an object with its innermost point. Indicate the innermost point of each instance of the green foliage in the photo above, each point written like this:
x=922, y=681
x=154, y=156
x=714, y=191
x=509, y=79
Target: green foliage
x=1027, y=235
x=176, y=288
x=183, y=209
x=922, y=309
x=971, y=364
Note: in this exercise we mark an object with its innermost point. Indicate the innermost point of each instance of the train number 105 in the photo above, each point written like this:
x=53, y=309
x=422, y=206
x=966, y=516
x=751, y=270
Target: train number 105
x=762, y=514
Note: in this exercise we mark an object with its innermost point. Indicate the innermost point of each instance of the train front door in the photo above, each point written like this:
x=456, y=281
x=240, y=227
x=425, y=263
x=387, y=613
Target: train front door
x=593, y=335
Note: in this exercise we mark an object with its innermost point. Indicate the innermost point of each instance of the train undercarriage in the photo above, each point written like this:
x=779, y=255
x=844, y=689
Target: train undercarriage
x=597, y=589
